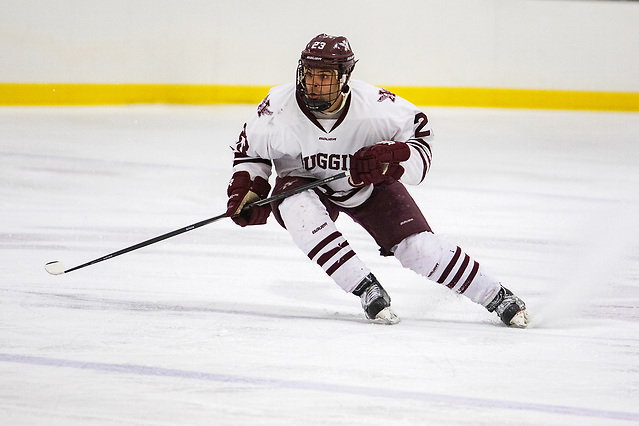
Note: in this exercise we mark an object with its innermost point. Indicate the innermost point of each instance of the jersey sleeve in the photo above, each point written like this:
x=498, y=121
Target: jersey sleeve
x=259, y=142
x=401, y=121
x=419, y=141
x=249, y=155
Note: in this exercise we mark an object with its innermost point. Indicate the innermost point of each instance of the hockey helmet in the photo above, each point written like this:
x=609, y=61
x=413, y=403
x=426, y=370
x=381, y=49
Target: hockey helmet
x=325, y=52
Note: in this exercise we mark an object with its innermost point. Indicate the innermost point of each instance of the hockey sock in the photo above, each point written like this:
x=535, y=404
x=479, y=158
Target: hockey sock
x=447, y=264
x=314, y=232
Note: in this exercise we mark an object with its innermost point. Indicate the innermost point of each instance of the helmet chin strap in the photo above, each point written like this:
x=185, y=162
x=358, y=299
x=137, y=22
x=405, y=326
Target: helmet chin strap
x=344, y=90
x=341, y=99
x=342, y=102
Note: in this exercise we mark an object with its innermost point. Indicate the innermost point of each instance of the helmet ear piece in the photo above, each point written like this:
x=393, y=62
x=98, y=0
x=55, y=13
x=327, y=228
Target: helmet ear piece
x=347, y=75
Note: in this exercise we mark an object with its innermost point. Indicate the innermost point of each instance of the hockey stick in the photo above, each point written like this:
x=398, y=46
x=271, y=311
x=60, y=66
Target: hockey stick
x=57, y=268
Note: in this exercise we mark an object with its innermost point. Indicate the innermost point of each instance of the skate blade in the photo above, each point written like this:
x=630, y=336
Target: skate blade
x=520, y=320
x=386, y=316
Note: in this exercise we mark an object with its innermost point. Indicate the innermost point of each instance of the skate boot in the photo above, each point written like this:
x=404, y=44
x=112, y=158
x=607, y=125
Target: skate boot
x=375, y=301
x=510, y=308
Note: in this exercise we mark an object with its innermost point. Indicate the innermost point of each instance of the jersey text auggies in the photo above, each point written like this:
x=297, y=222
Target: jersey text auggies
x=326, y=161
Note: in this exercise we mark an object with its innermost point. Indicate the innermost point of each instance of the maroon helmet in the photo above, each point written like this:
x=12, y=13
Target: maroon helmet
x=324, y=56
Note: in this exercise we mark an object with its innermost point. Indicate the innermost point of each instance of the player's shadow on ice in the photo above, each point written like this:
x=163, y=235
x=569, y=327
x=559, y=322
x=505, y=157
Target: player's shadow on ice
x=89, y=302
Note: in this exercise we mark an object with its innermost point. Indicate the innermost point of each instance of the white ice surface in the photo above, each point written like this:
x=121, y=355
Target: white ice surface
x=231, y=326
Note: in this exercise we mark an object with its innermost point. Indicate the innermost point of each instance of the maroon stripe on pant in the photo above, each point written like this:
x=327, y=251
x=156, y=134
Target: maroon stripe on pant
x=323, y=244
x=450, y=266
x=340, y=262
x=470, y=278
x=459, y=273
x=330, y=253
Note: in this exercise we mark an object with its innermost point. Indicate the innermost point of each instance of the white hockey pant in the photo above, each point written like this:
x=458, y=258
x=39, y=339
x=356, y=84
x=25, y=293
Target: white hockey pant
x=443, y=262
x=315, y=233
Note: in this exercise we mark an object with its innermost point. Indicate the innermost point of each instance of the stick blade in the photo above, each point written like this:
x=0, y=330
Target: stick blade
x=54, y=268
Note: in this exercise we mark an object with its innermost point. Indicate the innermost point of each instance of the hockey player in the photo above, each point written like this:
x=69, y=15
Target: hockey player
x=325, y=123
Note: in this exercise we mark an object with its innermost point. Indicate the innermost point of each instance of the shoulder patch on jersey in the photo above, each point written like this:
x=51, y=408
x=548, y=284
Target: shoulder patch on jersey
x=385, y=94
x=262, y=108
x=242, y=144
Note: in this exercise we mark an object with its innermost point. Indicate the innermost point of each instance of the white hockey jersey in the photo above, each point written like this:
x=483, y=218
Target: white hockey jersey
x=283, y=133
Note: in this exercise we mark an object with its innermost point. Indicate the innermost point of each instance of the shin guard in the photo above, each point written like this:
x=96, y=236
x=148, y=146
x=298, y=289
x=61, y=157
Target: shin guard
x=447, y=264
x=315, y=233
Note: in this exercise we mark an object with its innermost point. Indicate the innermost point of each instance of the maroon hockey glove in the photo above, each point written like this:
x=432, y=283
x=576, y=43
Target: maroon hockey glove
x=241, y=191
x=373, y=164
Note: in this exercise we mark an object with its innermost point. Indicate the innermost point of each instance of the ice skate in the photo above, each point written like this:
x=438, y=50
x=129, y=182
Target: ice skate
x=510, y=308
x=375, y=301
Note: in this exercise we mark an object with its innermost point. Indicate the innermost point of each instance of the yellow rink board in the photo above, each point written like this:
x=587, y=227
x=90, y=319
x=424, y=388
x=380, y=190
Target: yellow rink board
x=59, y=94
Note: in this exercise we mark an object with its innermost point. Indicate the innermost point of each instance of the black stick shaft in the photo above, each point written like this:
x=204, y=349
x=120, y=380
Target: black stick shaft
x=299, y=189
x=149, y=242
x=279, y=196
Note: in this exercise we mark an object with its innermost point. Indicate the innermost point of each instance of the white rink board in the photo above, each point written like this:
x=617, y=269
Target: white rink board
x=523, y=44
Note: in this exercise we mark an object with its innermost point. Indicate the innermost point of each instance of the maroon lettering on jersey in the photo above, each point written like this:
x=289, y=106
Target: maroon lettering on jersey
x=262, y=108
x=242, y=145
x=326, y=161
x=309, y=162
x=421, y=120
x=385, y=94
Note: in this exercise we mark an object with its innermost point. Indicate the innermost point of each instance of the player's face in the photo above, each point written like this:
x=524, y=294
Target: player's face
x=322, y=85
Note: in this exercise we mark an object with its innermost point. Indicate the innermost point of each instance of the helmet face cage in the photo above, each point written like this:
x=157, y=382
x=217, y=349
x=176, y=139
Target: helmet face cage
x=320, y=87
x=323, y=71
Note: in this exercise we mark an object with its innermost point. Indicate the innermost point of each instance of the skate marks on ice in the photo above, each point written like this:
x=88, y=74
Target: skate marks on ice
x=206, y=320
x=88, y=302
x=596, y=270
x=313, y=386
